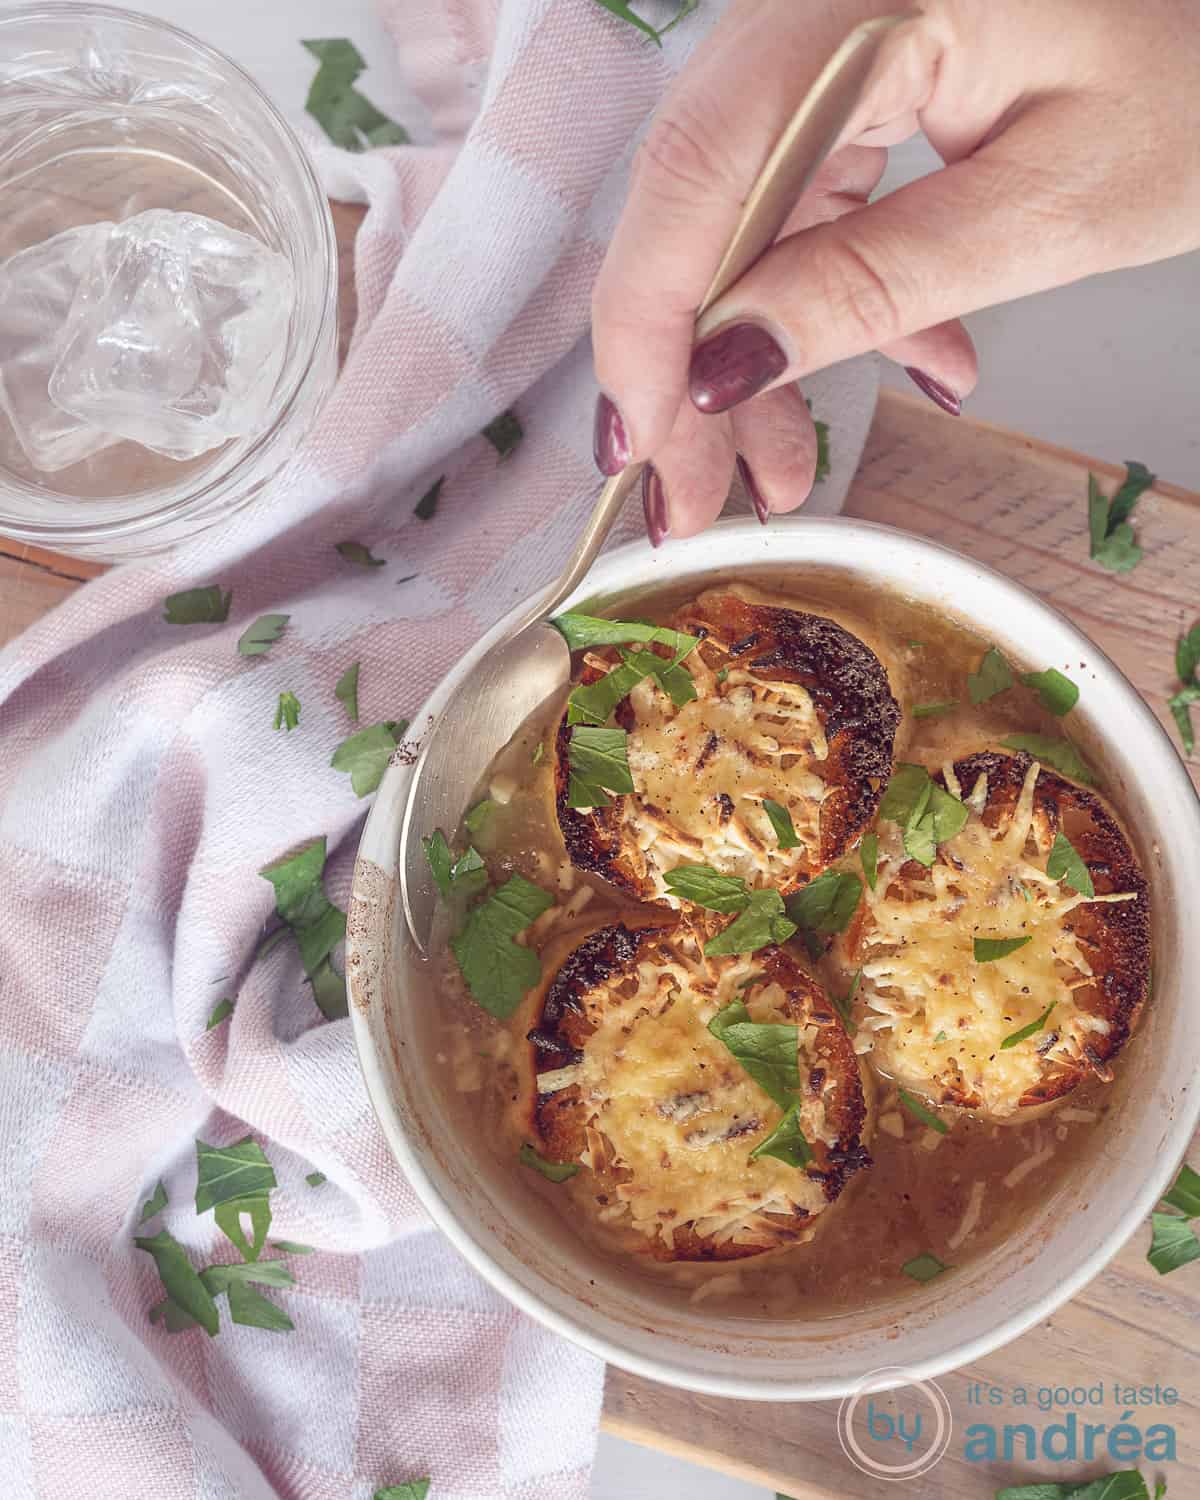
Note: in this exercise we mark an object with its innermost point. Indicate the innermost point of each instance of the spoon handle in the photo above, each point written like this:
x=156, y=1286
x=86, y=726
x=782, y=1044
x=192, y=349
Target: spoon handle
x=807, y=140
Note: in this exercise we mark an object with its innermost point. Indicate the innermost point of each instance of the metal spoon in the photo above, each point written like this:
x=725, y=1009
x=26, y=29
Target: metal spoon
x=516, y=677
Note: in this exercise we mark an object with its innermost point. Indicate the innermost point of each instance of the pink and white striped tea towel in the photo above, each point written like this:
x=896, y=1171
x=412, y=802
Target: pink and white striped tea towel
x=142, y=788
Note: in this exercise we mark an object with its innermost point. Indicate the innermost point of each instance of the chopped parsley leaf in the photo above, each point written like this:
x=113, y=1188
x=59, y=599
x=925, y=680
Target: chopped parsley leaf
x=552, y=1171
x=598, y=764
x=257, y=639
x=287, y=712
x=988, y=950
x=993, y=676
x=499, y=972
x=207, y=606
x=1027, y=1031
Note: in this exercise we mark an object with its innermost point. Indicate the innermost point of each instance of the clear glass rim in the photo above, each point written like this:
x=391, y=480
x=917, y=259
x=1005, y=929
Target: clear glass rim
x=52, y=533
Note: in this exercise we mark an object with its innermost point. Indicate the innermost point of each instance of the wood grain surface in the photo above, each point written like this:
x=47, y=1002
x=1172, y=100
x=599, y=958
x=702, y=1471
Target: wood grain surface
x=1019, y=505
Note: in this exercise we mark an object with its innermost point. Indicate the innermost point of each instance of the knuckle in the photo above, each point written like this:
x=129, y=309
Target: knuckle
x=682, y=154
x=858, y=291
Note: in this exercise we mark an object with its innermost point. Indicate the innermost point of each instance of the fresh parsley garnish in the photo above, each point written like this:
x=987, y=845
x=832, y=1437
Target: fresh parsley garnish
x=539, y=751
x=762, y=922
x=988, y=950
x=1187, y=663
x=932, y=710
x=595, y=702
x=1065, y=864
x=1184, y=1194
x=477, y=819
x=781, y=822
x=597, y=760
x=427, y=505
x=155, y=1204
x=920, y=1112
x=1027, y=1031
x=1127, y=1485
x=504, y=433
x=257, y=639
x=675, y=680
x=994, y=675
x=412, y=1489
x=181, y=1280
x=461, y=877
x=552, y=1171
x=220, y=1011
x=253, y=1310
x=1059, y=755
x=317, y=925
x=1058, y=693
x=585, y=632
x=207, y=606
x=316, y=1179
x=928, y=814
x=360, y=556
x=787, y=1142
x=441, y=862
x=703, y=886
x=924, y=1267
x=722, y=675
x=290, y=1247
x=346, y=116
x=287, y=712
x=1175, y=1243
x=328, y=990
x=823, y=448
x=346, y=690
x=624, y=12
x=768, y=1052
x=1112, y=542
x=365, y=755
x=827, y=903
x=227, y=1172
x=498, y=971
x=869, y=854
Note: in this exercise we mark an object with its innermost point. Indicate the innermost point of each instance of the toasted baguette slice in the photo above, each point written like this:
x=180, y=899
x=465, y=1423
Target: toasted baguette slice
x=789, y=707
x=944, y=1022
x=631, y=1083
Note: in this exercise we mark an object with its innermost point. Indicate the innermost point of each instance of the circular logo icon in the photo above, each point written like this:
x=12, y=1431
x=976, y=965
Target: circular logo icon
x=895, y=1426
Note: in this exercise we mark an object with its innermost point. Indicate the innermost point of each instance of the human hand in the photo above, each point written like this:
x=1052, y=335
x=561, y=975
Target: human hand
x=1071, y=142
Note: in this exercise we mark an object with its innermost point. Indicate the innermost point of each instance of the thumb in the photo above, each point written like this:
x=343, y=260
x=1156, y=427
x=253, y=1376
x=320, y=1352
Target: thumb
x=987, y=229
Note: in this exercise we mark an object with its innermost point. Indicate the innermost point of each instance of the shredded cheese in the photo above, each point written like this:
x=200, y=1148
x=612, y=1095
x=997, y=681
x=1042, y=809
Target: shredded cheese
x=935, y=1018
x=701, y=773
x=675, y=1116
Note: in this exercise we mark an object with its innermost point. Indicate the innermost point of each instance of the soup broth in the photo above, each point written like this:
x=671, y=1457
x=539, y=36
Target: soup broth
x=953, y=1193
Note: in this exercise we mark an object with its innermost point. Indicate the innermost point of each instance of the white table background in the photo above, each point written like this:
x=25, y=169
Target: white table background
x=1110, y=367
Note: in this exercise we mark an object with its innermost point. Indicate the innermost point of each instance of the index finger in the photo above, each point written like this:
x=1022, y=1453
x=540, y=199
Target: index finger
x=712, y=134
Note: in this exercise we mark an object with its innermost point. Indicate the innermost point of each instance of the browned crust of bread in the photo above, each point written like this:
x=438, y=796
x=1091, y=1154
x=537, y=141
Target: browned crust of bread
x=1115, y=936
x=850, y=692
x=568, y=1017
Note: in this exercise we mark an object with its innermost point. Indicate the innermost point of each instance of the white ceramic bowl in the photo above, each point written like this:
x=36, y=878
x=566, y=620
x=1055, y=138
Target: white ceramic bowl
x=525, y=1250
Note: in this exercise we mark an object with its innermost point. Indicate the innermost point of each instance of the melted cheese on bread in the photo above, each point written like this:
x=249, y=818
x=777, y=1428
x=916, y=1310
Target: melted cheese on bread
x=937, y=1019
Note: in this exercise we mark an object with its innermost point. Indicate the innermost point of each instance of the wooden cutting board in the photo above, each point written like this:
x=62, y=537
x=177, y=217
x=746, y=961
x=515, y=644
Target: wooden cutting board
x=1019, y=505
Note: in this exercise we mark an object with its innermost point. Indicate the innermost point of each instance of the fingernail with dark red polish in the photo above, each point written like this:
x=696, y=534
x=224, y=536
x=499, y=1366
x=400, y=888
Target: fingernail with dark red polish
x=941, y=395
x=654, y=503
x=610, y=441
x=734, y=365
x=752, y=489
